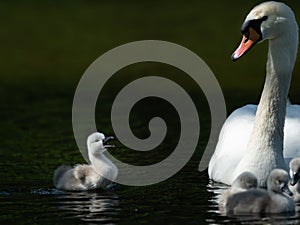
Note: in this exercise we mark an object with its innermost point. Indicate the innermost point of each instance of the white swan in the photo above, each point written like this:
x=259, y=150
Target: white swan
x=245, y=181
x=295, y=175
x=276, y=200
x=87, y=177
x=251, y=138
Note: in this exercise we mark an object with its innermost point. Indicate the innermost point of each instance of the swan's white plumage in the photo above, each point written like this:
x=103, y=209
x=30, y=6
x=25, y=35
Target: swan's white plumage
x=235, y=135
x=292, y=132
x=255, y=143
x=232, y=144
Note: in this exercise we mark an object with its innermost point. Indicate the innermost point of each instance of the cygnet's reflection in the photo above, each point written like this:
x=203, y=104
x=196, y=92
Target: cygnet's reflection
x=91, y=206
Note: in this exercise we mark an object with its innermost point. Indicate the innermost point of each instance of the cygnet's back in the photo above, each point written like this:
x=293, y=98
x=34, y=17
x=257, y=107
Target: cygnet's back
x=245, y=181
x=275, y=200
x=252, y=201
x=64, y=179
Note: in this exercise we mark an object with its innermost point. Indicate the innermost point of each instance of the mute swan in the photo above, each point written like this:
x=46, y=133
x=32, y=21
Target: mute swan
x=251, y=138
x=87, y=177
x=295, y=175
x=245, y=181
x=276, y=200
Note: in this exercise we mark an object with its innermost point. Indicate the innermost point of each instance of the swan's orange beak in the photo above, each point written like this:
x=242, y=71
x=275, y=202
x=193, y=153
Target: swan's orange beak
x=249, y=40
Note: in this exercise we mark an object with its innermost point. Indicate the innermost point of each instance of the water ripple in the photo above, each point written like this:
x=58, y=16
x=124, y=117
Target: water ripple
x=221, y=218
x=92, y=207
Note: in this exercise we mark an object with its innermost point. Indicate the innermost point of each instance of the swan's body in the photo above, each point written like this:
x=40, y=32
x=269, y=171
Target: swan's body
x=245, y=181
x=276, y=200
x=98, y=174
x=260, y=138
x=295, y=175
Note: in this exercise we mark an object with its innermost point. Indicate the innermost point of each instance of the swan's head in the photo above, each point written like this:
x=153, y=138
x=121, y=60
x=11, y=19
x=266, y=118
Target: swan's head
x=98, y=143
x=245, y=180
x=266, y=21
x=295, y=171
x=278, y=182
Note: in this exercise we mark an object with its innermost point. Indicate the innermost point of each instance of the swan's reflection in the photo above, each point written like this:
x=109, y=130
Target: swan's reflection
x=91, y=206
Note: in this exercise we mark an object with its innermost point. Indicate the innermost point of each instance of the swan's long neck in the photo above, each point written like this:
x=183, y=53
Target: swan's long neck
x=265, y=148
x=267, y=133
x=103, y=166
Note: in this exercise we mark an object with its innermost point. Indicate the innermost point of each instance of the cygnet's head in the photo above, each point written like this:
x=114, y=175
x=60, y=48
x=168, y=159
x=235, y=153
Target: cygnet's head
x=268, y=20
x=295, y=170
x=98, y=143
x=245, y=180
x=278, y=182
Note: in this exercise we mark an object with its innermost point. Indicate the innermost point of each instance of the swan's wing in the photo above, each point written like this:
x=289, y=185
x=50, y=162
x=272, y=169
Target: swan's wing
x=234, y=137
x=292, y=132
x=232, y=143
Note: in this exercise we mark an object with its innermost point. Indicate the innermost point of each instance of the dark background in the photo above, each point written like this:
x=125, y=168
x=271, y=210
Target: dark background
x=45, y=48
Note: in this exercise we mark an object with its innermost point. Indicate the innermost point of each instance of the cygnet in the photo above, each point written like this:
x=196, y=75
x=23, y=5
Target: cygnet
x=295, y=176
x=274, y=200
x=99, y=174
x=245, y=181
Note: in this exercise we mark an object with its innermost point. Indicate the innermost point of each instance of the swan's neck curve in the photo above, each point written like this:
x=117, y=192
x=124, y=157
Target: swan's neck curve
x=267, y=134
x=265, y=148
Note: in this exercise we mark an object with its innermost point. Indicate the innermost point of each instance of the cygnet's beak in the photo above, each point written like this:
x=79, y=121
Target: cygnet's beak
x=294, y=179
x=106, y=140
x=286, y=190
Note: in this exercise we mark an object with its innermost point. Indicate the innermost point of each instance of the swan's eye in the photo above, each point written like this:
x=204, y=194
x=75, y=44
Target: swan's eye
x=264, y=18
x=97, y=140
x=254, y=24
x=247, y=35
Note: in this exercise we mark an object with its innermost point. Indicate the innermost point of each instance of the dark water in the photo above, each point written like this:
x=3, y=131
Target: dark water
x=177, y=201
x=46, y=47
x=40, y=139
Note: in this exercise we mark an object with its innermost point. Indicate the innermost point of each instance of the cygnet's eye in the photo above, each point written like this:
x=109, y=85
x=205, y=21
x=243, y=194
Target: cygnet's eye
x=278, y=182
x=97, y=140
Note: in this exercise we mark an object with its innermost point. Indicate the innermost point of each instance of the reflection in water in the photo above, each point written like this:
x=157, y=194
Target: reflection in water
x=90, y=206
x=218, y=188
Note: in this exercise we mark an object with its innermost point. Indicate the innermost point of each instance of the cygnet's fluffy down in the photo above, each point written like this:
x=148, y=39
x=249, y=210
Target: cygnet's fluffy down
x=245, y=181
x=295, y=176
x=275, y=200
x=100, y=173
